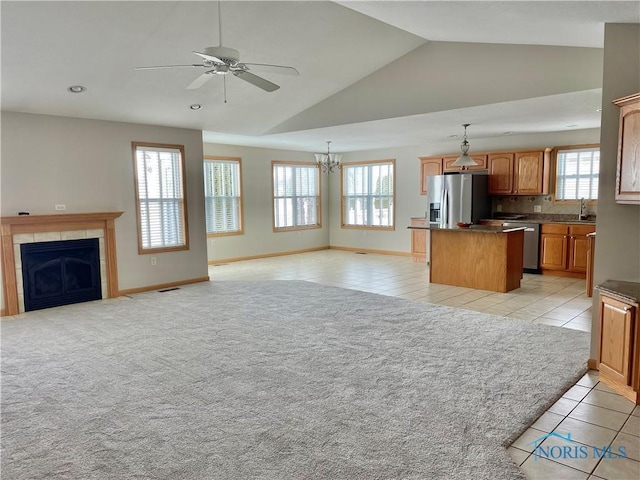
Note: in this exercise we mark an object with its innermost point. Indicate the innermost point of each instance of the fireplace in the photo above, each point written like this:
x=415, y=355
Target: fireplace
x=60, y=273
x=18, y=230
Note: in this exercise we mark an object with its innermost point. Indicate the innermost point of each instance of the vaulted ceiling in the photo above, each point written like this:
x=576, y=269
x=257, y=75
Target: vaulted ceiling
x=372, y=74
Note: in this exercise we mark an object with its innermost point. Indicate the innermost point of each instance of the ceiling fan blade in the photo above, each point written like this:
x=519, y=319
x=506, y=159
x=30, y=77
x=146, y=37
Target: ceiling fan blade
x=200, y=81
x=279, y=69
x=169, y=66
x=259, y=82
x=209, y=57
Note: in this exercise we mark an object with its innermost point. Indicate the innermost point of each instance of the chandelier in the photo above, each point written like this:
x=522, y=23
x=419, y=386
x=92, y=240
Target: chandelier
x=328, y=161
x=464, y=161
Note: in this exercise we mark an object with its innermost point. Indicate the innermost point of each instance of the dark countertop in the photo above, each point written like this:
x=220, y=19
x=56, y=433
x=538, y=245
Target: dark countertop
x=542, y=218
x=472, y=228
x=625, y=291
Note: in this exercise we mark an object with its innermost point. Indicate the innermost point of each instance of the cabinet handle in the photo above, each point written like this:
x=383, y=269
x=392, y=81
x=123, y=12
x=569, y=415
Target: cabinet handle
x=566, y=236
x=624, y=309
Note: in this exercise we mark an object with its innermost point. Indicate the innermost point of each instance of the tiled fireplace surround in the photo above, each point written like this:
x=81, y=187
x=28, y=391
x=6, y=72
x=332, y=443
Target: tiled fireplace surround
x=45, y=228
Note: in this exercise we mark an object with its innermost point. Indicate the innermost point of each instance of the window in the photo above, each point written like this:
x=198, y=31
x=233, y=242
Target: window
x=296, y=196
x=368, y=194
x=161, y=206
x=222, y=196
x=577, y=172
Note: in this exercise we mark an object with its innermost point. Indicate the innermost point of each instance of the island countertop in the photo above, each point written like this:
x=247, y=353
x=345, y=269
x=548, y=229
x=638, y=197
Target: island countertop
x=472, y=228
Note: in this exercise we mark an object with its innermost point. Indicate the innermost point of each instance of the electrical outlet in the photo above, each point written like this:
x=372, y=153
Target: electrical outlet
x=154, y=261
x=537, y=208
x=498, y=208
x=60, y=206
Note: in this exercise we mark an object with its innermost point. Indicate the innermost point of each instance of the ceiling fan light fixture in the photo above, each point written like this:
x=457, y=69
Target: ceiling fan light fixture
x=328, y=162
x=465, y=161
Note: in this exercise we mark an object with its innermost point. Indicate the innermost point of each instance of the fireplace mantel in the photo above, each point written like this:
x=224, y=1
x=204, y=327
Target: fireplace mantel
x=10, y=226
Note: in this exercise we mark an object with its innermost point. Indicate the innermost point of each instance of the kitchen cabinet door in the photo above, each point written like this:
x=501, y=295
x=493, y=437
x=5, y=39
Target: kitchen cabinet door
x=481, y=160
x=628, y=167
x=616, y=340
x=429, y=166
x=419, y=240
x=579, y=248
x=528, y=173
x=500, y=173
x=553, y=251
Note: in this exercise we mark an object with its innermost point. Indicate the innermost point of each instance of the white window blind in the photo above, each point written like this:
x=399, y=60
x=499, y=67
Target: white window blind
x=368, y=195
x=222, y=196
x=296, y=196
x=160, y=185
x=577, y=174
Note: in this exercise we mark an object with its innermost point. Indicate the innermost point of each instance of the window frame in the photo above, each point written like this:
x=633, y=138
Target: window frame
x=238, y=160
x=554, y=173
x=183, y=200
x=318, y=198
x=389, y=161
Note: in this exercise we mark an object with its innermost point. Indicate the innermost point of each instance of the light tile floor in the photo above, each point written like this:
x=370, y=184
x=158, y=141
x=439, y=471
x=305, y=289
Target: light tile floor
x=593, y=414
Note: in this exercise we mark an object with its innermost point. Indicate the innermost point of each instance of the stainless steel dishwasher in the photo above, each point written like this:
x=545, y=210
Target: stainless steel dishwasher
x=531, y=253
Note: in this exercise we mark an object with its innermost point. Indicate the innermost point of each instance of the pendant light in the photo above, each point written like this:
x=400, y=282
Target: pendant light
x=465, y=161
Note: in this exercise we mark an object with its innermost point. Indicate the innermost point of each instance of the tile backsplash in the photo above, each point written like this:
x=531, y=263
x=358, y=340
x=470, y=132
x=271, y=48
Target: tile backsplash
x=525, y=204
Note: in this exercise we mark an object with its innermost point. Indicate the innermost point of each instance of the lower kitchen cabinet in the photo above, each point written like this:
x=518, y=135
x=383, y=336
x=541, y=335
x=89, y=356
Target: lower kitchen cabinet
x=619, y=338
x=564, y=249
x=419, y=240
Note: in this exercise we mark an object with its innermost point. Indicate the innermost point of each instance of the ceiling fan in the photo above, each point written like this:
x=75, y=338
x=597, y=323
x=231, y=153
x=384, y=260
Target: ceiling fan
x=220, y=60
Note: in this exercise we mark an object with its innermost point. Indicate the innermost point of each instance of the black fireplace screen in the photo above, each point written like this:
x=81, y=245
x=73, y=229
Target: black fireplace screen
x=60, y=272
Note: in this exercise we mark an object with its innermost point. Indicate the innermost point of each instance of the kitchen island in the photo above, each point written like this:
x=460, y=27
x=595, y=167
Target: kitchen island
x=480, y=256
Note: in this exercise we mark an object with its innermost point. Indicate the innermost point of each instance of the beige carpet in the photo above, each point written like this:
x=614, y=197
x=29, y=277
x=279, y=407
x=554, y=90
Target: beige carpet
x=274, y=380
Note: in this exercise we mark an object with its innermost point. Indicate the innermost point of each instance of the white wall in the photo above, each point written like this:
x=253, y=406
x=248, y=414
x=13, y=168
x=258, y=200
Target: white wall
x=88, y=166
x=409, y=202
x=259, y=237
x=618, y=226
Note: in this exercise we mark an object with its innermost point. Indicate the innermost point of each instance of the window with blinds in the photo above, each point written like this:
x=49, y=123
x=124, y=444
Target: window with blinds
x=222, y=196
x=160, y=187
x=296, y=196
x=577, y=173
x=368, y=195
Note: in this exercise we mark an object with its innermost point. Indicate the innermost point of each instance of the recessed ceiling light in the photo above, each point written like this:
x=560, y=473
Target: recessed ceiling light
x=572, y=125
x=195, y=106
x=77, y=89
x=598, y=109
x=452, y=136
x=508, y=133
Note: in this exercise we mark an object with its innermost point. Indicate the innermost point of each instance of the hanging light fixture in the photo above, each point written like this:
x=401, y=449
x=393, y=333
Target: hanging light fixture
x=464, y=161
x=328, y=161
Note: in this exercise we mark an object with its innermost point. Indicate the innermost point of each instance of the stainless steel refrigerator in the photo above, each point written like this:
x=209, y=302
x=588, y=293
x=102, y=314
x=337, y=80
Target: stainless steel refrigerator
x=458, y=197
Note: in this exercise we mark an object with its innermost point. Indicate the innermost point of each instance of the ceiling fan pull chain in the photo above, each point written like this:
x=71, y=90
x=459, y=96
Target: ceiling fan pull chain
x=224, y=84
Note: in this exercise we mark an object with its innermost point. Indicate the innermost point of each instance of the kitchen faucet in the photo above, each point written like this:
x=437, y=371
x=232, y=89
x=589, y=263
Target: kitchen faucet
x=582, y=215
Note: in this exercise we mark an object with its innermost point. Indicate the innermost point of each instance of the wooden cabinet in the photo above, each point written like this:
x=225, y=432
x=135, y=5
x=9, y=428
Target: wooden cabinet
x=419, y=240
x=619, y=344
x=628, y=169
x=564, y=249
x=429, y=166
x=500, y=173
x=591, y=250
x=519, y=173
x=553, y=247
x=438, y=165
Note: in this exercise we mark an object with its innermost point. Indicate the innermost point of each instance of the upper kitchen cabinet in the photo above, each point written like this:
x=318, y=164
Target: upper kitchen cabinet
x=519, y=173
x=500, y=173
x=438, y=165
x=628, y=170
